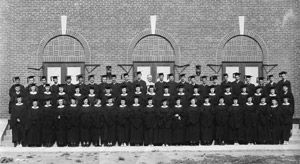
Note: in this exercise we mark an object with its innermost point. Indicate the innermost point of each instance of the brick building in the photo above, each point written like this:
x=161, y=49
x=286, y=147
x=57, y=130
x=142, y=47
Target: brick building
x=243, y=35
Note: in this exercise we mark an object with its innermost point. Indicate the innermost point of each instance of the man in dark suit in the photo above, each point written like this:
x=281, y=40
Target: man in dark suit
x=237, y=84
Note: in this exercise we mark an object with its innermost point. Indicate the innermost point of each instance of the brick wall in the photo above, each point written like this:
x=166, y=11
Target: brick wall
x=109, y=31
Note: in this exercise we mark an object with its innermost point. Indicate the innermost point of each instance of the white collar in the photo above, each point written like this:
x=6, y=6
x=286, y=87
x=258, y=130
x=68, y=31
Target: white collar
x=235, y=105
x=124, y=94
x=262, y=103
x=61, y=106
x=206, y=104
x=77, y=94
x=19, y=103
x=257, y=94
x=285, y=103
x=48, y=105
x=61, y=93
x=150, y=106
x=85, y=105
x=135, y=104
x=166, y=94
x=274, y=106
x=123, y=105
x=181, y=93
x=227, y=93
x=91, y=95
x=97, y=105
x=107, y=94
x=33, y=92
x=18, y=92
x=47, y=93
x=165, y=106
x=193, y=105
x=35, y=107
x=138, y=92
x=249, y=104
x=222, y=104
x=178, y=106
x=196, y=94
x=109, y=104
x=149, y=93
x=244, y=93
x=272, y=94
x=73, y=105
x=212, y=94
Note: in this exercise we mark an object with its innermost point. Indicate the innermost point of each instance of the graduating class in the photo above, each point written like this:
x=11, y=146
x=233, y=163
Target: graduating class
x=163, y=114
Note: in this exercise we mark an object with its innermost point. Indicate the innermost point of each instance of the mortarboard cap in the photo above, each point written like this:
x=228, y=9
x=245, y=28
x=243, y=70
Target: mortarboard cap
x=247, y=76
x=166, y=86
x=32, y=85
x=282, y=72
x=15, y=78
x=182, y=75
x=269, y=76
x=30, y=77
x=205, y=97
x=203, y=77
x=163, y=100
x=79, y=76
x=149, y=98
x=272, y=87
x=177, y=98
x=236, y=74
x=225, y=74
x=91, y=76
x=151, y=86
x=235, y=98
x=138, y=85
x=17, y=85
x=257, y=87
x=107, y=87
x=274, y=98
x=243, y=86
x=138, y=72
x=212, y=78
x=103, y=76
x=212, y=86
x=53, y=77
x=160, y=74
x=285, y=85
x=125, y=74
x=221, y=97
x=227, y=86
x=123, y=86
x=123, y=98
x=114, y=76
x=61, y=85
x=19, y=95
x=193, y=76
x=171, y=74
x=43, y=77
x=180, y=86
x=92, y=87
x=47, y=85
x=68, y=77
x=76, y=86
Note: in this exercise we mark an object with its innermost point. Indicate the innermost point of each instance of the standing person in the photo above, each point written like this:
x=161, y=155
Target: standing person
x=218, y=87
x=193, y=84
x=289, y=95
x=193, y=121
x=164, y=123
x=91, y=95
x=122, y=116
x=197, y=95
x=115, y=86
x=73, y=123
x=264, y=116
x=13, y=97
x=179, y=123
x=124, y=94
x=78, y=95
x=111, y=114
x=140, y=82
x=61, y=93
x=288, y=112
x=47, y=94
x=32, y=94
x=270, y=84
x=16, y=81
x=172, y=84
x=243, y=95
x=277, y=118
x=250, y=86
x=85, y=123
x=60, y=120
x=250, y=120
x=182, y=82
x=127, y=83
x=102, y=86
x=83, y=87
x=48, y=123
x=18, y=121
x=236, y=85
x=272, y=94
x=221, y=120
x=149, y=82
x=207, y=122
x=257, y=95
x=204, y=87
x=30, y=81
x=160, y=84
x=283, y=81
x=235, y=122
x=69, y=87
x=183, y=95
x=136, y=118
x=213, y=96
x=92, y=84
x=98, y=122
x=228, y=95
x=54, y=86
x=225, y=83
x=260, y=81
x=34, y=125
x=150, y=122
x=41, y=88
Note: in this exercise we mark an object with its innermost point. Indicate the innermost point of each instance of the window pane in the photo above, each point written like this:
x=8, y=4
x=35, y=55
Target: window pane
x=163, y=69
x=73, y=72
x=53, y=71
x=230, y=70
x=146, y=70
x=253, y=71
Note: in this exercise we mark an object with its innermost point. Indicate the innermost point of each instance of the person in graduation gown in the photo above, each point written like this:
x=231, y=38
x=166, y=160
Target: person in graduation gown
x=127, y=83
x=13, y=97
x=47, y=94
x=164, y=123
x=78, y=95
x=92, y=84
x=92, y=96
x=221, y=119
x=277, y=121
x=30, y=81
x=183, y=83
x=193, y=122
x=122, y=117
x=204, y=87
x=273, y=94
x=32, y=94
x=183, y=95
x=136, y=118
x=218, y=87
x=98, y=123
x=172, y=84
x=85, y=123
x=243, y=95
x=260, y=81
x=263, y=126
x=160, y=84
x=34, y=125
x=228, y=95
x=60, y=120
x=62, y=94
x=83, y=87
x=270, y=84
x=283, y=81
x=166, y=95
x=140, y=82
x=288, y=112
x=18, y=121
x=107, y=93
x=250, y=120
x=138, y=93
x=207, y=122
x=41, y=88
x=73, y=123
x=150, y=123
x=179, y=123
x=193, y=84
x=235, y=122
x=124, y=94
x=16, y=81
x=115, y=87
x=102, y=86
x=225, y=83
x=48, y=133
x=69, y=87
x=197, y=95
x=250, y=86
x=257, y=95
x=111, y=113
x=213, y=96
x=286, y=93
x=237, y=84
x=54, y=86
x=151, y=94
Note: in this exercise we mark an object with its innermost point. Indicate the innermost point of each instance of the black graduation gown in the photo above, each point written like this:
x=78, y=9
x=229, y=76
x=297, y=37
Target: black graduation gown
x=185, y=86
x=136, y=118
x=45, y=96
x=204, y=89
x=214, y=98
x=269, y=98
x=142, y=83
x=154, y=97
x=128, y=85
x=236, y=87
x=223, y=85
x=101, y=88
x=288, y=111
x=142, y=98
x=256, y=98
x=31, y=97
x=54, y=88
x=207, y=122
x=128, y=99
x=191, y=88
x=104, y=98
x=96, y=89
x=73, y=124
x=218, y=89
x=48, y=133
x=263, y=129
x=98, y=124
x=169, y=97
x=184, y=99
x=150, y=125
x=79, y=99
x=199, y=99
x=92, y=98
x=111, y=113
x=277, y=121
x=83, y=88
x=41, y=88
x=179, y=125
x=164, y=125
x=159, y=87
x=281, y=83
x=290, y=96
x=250, y=88
x=193, y=123
x=69, y=89
x=13, y=100
x=172, y=87
x=228, y=98
x=221, y=122
x=18, y=128
x=61, y=124
x=13, y=90
x=122, y=129
x=115, y=89
x=243, y=99
x=34, y=127
x=63, y=95
x=235, y=122
x=250, y=120
x=85, y=123
x=269, y=85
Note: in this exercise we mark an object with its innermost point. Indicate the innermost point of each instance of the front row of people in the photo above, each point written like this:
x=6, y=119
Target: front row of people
x=136, y=125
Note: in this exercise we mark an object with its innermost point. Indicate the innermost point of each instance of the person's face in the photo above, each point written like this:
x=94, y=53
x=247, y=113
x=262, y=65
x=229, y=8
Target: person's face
x=182, y=79
x=73, y=101
x=285, y=100
x=92, y=80
x=32, y=88
x=77, y=90
x=113, y=79
x=221, y=100
x=126, y=77
x=17, y=81
x=195, y=90
x=178, y=102
x=85, y=101
x=215, y=81
x=17, y=89
x=272, y=91
x=285, y=88
x=227, y=89
x=124, y=90
x=34, y=103
x=69, y=80
x=60, y=102
x=44, y=81
x=98, y=102
x=206, y=100
x=164, y=103
x=180, y=89
x=237, y=77
x=171, y=78
x=193, y=80
x=274, y=102
x=151, y=90
x=235, y=101
x=283, y=76
x=138, y=89
x=161, y=78
x=150, y=102
x=258, y=90
x=110, y=101
x=248, y=80
x=263, y=100
x=80, y=80
x=104, y=79
x=107, y=90
x=30, y=81
x=193, y=101
x=136, y=100
x=249, y=99
x=55, y=80
x=48, y=102
x=244, y=89
x=122, y=102
x=92, y=91
x=139, y=76
x=149, y=78
x=212, y=90
x=47, y=88
x=19, y=99
x=166, y=90
x=226, y=78
x=61, y=89
x=204, y=80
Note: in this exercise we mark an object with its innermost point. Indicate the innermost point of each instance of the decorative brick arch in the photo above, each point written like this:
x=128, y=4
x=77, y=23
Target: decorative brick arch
x=158, y=32
x=249, y=34
x=73, y=34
